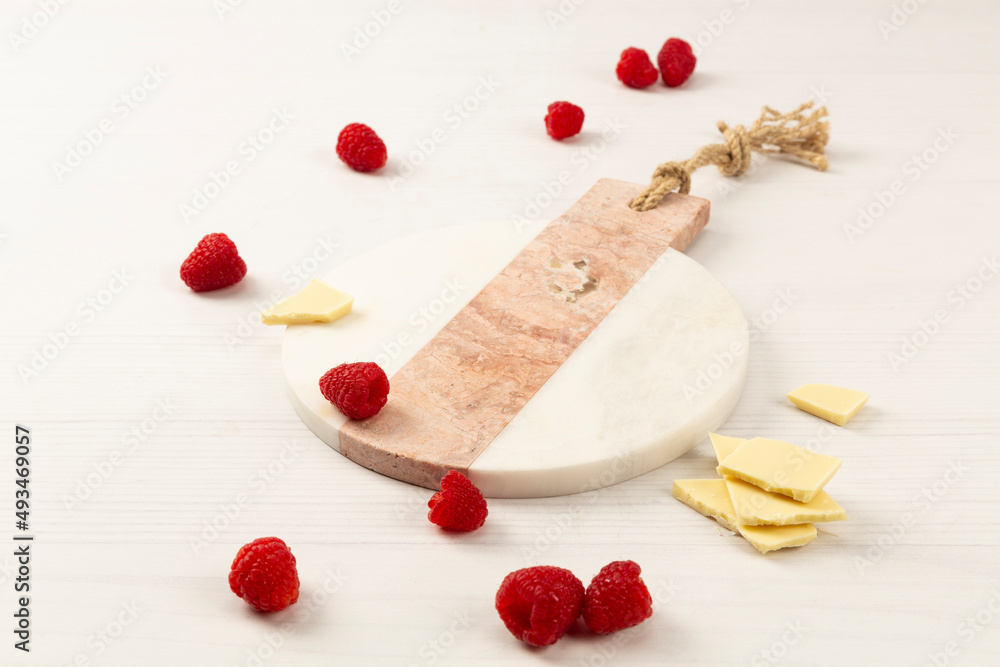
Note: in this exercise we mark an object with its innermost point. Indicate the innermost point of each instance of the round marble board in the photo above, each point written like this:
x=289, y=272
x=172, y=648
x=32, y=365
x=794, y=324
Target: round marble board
x=666, y=365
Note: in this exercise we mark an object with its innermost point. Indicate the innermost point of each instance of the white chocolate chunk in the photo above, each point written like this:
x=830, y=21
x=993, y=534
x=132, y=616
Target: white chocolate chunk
x=834, y=404
x=756, y=507
x=771, y=538
x=724, y=445
x=316, y=302
x=781, y=467
x=710, y=497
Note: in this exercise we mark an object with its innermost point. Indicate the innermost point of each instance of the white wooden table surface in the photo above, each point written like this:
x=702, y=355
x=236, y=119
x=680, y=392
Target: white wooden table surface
x=161, y=436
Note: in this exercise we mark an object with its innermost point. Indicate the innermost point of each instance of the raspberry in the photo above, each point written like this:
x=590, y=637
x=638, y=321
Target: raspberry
x=263, y=574
x=213, y=264
x=459, y=506
x=360, y=148
x=539, y=604
x=676, y=61
x=617, y=598
x=635, y=69
x=563, y=120
x=358, y=390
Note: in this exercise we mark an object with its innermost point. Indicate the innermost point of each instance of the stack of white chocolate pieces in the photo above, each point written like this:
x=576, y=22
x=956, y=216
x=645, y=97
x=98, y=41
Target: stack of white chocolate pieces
x=771, y=492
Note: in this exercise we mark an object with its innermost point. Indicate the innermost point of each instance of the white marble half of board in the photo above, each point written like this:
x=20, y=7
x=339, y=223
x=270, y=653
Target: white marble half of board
x=647, y=384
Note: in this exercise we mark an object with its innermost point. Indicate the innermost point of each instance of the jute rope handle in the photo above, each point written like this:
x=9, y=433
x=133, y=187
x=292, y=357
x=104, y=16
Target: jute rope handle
x=797, y=133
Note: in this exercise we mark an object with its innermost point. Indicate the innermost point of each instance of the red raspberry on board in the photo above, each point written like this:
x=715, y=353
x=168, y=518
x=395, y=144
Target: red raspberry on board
x=563, y=120
x=213, y=264
x=360, y=148
x=539, y=604
x=359, y=390
x=459, y=506
x=617, y=598
x=676, y=61
x=635, y=69
x=263, y=574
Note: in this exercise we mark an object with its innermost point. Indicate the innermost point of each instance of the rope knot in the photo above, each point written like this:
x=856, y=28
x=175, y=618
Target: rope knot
x=803, y=135
x=740, y=152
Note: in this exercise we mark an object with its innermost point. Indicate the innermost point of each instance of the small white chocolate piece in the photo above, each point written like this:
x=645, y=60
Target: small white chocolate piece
x=316, y=302
x=834, y=404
